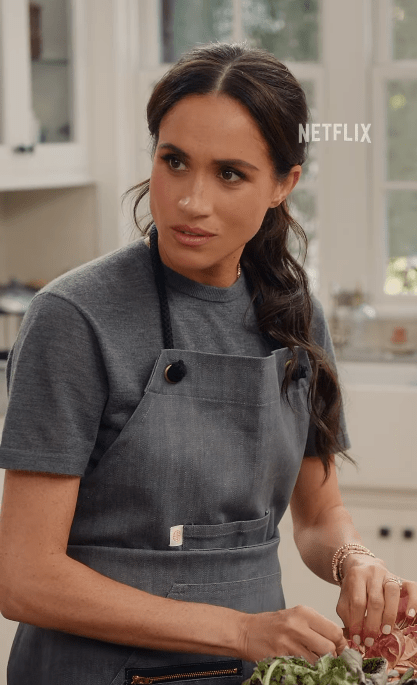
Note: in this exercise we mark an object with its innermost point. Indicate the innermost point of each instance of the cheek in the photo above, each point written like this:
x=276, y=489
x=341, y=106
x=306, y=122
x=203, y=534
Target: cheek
x=246, y=213
x=160, y=192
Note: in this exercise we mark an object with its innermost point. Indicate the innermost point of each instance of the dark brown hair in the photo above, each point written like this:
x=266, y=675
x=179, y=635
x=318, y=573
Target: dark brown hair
x=277, y=103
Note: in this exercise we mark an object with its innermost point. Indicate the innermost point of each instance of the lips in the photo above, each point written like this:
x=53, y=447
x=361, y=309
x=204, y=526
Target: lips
x=192, y=231
x=191, y=236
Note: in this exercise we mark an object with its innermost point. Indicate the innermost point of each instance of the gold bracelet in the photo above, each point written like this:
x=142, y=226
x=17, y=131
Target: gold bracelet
x=339, y=557
x=339, y=553
x=347, y=545
x=352, y=551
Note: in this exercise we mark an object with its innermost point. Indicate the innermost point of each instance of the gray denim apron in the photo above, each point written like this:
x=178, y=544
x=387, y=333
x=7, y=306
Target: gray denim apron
x=185, y=504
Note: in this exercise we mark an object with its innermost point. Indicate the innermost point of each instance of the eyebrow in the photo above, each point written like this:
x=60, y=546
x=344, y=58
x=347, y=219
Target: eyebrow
x=219, y=162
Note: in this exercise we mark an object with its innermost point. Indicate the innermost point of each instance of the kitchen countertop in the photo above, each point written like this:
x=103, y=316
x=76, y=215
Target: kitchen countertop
x=375, y=356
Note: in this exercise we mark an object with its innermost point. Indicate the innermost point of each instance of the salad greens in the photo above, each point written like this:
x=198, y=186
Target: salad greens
x=347, y=669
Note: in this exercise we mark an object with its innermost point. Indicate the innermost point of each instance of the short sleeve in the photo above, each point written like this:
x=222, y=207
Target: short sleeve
x=322, y=337
x=57, y=389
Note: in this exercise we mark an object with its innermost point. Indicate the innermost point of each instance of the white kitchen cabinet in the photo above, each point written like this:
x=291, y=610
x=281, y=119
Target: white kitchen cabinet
x=387, y=523
x=43, y=104
x=381, y=408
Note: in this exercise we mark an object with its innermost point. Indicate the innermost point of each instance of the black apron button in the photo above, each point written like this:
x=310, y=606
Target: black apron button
x=300, y=371
x=174, y=373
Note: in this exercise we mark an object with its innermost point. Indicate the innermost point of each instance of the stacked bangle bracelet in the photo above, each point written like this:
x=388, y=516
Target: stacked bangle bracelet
x=341, y=554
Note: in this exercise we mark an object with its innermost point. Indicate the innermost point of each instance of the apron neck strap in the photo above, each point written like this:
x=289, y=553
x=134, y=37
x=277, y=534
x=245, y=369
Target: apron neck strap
x=177, y=370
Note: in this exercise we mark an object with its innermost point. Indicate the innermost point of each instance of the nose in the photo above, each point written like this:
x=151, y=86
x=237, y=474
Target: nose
x=196, y=199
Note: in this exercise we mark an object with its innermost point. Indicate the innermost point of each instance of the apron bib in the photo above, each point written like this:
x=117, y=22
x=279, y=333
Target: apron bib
x=185, y=504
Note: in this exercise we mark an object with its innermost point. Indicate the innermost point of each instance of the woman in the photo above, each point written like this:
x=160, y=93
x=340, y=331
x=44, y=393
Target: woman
x=167, y=402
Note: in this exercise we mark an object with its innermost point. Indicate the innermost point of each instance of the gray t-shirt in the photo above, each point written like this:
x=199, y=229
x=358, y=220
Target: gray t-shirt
x=87, y=346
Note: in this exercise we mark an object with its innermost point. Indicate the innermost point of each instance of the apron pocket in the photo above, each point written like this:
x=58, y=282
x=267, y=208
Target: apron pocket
x=227, y=535
x=253, y=595
x=207, y=673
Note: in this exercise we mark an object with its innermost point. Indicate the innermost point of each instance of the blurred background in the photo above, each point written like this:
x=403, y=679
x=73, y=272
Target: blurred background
x=75, y=76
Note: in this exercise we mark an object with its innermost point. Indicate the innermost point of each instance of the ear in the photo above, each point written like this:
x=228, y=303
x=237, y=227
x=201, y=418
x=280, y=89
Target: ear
x=283, y=188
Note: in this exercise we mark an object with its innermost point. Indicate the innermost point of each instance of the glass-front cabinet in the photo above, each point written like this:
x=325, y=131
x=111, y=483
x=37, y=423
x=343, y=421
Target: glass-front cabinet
x=43, y=107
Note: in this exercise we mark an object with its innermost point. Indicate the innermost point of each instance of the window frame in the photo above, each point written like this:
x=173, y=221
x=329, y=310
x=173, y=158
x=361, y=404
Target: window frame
x=384, y=69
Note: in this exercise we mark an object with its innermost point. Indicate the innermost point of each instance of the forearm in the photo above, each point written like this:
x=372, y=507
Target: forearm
x=66, y=595
x=318, y=542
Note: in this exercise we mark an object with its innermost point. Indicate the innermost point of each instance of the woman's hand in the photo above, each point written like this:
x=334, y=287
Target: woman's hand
x=368, y=604
x=299, y=631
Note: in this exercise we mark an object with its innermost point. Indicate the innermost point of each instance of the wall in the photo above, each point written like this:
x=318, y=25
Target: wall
x=47, y=232
x=113, y=58
x=2, y=241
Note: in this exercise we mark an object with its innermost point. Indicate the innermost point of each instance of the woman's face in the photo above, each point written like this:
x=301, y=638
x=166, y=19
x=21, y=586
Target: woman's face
x=212, y=182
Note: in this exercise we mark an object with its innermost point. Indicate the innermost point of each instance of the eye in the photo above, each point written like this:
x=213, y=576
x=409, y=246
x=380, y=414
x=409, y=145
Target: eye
x=231, y=175
x=173, y=162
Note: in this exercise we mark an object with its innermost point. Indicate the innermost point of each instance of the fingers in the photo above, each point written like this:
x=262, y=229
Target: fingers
x=382, y=610
x=312, y=653
x=333, y=634
x=341, y=644
x=351, y=606
x=369, y=603
x=392, y=593
x=318, y=645
x=325, y=636
x=411, y=589
x=366, y=606
x=298, y=631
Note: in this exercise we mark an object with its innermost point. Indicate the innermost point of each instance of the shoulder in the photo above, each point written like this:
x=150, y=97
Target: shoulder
x=318, y=320
x=319, y=326
x=112, y=278
x=76, y=309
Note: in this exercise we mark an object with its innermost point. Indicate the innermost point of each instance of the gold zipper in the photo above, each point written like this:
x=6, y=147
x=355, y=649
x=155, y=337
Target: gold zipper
x=145, y=680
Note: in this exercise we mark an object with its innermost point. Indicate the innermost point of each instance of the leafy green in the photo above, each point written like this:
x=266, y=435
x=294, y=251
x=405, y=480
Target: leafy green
x=346, y=669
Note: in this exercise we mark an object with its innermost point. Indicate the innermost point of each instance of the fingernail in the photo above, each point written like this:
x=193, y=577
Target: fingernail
x=356, y=639
x=411, y=613
x=386, y=629
x=369, y=641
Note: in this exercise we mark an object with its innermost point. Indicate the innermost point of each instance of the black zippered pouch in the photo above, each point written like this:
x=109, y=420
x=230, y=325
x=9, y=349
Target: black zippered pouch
x=167, y=674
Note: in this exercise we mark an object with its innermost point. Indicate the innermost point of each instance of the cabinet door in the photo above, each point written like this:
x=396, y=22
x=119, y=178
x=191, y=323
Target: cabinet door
x=15, y=78
x=43, y=85
x=391, y=534
x=383, y=431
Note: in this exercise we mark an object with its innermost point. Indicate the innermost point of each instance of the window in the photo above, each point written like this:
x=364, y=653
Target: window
x=184, y=24
x=288, y=28
x=395, y=79
x=357, y=62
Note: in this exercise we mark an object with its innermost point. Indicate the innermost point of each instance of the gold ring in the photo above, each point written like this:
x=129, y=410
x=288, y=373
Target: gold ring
x=393, y=579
